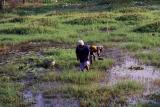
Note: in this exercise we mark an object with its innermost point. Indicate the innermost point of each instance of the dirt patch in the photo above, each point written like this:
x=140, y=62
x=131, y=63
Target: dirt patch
x=33, y=46
x=146, y=76
x=8, y=53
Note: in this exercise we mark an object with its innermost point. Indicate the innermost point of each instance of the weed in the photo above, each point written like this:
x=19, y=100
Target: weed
x=81, y=77
x=86, y=21
x=130, y=17
x=150, y=58
x=153, y=27
x=26, y=30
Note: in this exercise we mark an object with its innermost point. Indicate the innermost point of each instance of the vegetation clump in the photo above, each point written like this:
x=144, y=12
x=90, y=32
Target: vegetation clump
x=24, y=30
x=133, y=9
x=46, y=22
x=9, y=93
x=81, y=77
x=95, y=96
x=130, y=17
x=152, y=27
x=150, y=58
x=86, y=21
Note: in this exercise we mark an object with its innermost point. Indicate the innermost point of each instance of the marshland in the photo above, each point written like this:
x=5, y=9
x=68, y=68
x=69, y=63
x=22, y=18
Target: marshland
x=38, y=65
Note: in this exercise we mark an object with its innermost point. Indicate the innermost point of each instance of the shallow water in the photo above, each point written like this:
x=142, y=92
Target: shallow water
x=117, y=73
x=145, y=76
x=38, y=100
x=122, y=72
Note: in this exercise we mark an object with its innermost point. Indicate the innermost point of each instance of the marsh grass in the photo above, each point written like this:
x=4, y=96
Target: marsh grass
x=26, y=29
x=151, y=58
x=134, y=29
x=130, y=17
x=128, y=87
x=102, y=64
x=86, y=21
x=81, y=77
x=93, y=95
x=152, y=27
x=132, y=46
x=9, y=94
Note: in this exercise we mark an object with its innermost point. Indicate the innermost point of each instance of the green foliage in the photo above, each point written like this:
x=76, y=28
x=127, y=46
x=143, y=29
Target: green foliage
x=86, y=21
x=50, y=76
x=153, y=27
x=128, y=87
x=151, y=58
x=130, y=17
x=103, y=64
x=132, y=46
x=9, y=94
x=45, y=22
x=23, y=30
x=81, y=77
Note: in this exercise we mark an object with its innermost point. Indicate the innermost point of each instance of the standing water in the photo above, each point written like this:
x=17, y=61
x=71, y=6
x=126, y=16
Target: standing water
x=131, y=69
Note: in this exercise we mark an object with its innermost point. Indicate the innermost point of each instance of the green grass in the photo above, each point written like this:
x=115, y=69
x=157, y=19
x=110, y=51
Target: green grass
x=93, y=95
x=78, y=77
x=128, y=87
x=132, y=28
x=150, y=58
x=9, y=93
x=153, y=27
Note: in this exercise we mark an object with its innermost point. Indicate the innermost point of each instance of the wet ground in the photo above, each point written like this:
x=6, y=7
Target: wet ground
x=132, y=69
x=39, y=100
x=125, y=68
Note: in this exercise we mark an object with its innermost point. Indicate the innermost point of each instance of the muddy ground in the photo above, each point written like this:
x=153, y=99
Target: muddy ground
x=126, y=68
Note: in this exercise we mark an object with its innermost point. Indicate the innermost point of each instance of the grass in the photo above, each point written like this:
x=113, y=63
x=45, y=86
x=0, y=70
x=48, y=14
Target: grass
x=93, y=96
x=28, y=29
x=9, y=93
x=151, y=58
x=130, y=17
x=152, y=27
x=81, y=77
x=132, y=28
x=128, y=87
x=75, y=77
x=86, y=21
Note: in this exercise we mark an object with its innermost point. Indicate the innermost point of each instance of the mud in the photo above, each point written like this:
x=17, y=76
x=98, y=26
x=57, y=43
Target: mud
x=120, y=71
x=32, y=46
x=39, y=99
x=145, y=76
x=9, y=52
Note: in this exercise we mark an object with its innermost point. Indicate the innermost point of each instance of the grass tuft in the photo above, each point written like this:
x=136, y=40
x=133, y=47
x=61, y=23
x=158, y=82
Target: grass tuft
x=152, y=27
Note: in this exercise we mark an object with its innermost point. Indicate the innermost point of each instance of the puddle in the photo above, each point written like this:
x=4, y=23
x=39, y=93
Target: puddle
x=38, y=100
x=146, y=76
x=120, y=72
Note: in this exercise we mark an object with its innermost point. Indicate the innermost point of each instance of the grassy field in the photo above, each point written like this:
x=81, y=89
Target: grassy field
x=55, y=28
